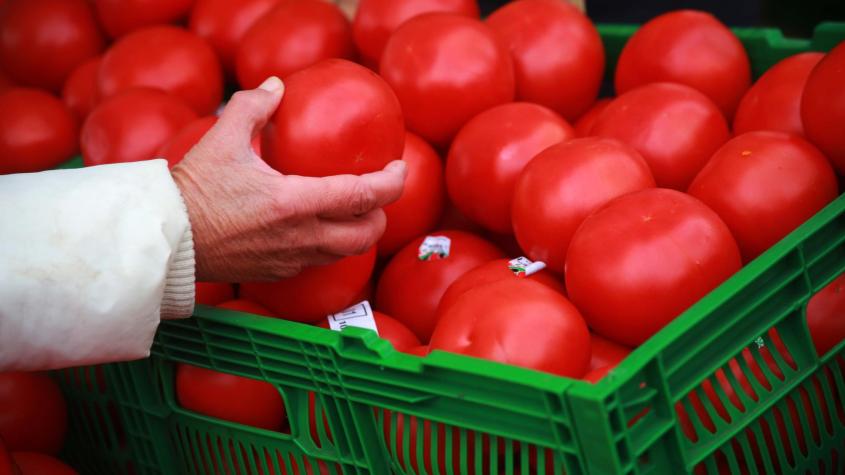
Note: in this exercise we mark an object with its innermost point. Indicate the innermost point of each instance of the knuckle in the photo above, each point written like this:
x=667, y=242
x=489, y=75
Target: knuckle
x=362, y=198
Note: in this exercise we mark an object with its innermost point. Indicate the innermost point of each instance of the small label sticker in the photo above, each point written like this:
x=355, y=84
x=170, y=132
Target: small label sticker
x=434, y=248
x=359, y=315
x=523, y=266
x=759, y=341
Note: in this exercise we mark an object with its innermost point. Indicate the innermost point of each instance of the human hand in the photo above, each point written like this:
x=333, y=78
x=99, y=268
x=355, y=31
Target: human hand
x=251, y=223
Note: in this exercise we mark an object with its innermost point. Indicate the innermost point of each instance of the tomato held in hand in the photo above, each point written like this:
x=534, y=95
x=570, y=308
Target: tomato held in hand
x=168, y=58
x=392, y=330
x=824, y=316
x=563, y=185
x=445, y=69
x=34, y=463
x=132, y=126
x=605, y=353
x=557, y=51
x=120, y=17
x=584, y=124
x=774, y=101
x=37, y=131
x=42, y=41
x=213, y=293
x=33, y=415
x=337, y=117
x=823, y=106
x=80, y=90
x=674, y=127
x=763, y=185
x=243, y=305
x=412, y=284
x=688, y=47
x=489, y=153
x=642, y=259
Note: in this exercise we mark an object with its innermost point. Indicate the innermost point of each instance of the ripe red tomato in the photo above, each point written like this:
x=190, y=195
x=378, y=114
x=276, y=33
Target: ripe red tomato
x=233, y=398
x=243, y=305
x=213, y=293
x=34, y=463
x=558, y=54
x=688, y=47
x=605, y=353
x=525, y=324
x=392, y=330
x=7, y=467
x=376, y=20
x=337, y=117
x=823, y=106
x=421, y=204
x=824, y=316
x=80, y=90
x=674, y=127
x=411, y=285
x=489, y=153
x=5, y=82
x=168, y=58
x=596, y=375
x=445, y=69
x=33, y=415
x=292, y=37
x=37, y=131
x=584, y=124
x=120, y=17
x=132, y=125
x=223, y=24
x=42, y=41
x=642, y=259
x=181, y=142
x=563, y=185
x=763, y=185
x=317, y=291
x=774, y=101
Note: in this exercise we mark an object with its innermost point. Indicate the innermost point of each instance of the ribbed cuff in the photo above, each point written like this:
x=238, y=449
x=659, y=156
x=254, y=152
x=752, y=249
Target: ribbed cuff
x=180, y=288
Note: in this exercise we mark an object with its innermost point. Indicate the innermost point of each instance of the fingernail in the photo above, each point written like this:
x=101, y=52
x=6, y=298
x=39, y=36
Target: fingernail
x=397, y=166
x=272, y=84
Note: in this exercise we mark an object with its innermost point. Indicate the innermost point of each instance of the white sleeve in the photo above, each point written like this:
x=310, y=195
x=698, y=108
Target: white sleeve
x=90, y=260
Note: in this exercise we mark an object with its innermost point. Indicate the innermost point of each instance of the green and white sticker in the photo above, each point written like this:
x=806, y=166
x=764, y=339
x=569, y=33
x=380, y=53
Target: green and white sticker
x=434, y=248
x=523, y=266
x=359, y=315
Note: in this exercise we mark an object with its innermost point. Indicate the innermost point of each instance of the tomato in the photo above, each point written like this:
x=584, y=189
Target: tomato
x=37, y=131
x=596, y=374
x=421, y=350
x=224, y=23
x=80, y=90
x=421, y=204
x=494, y=271
x=34, y=463
x=376, y=20
x=120, y=17
x=584, y=124
x=824, y=316
x=42, y=41
x=674, y=127
x=606, y=353
x=558, y=54
x=168, y=58
x=489, y=153
x=132, y=125
x=243, y=305
x=175, y=149
x=292, y=37
x=33, y=415
x=391, y=330
x=412, y=284
x=823, y=106
x=445, y=69
x=642, y=259
x=763, y=185
x=774, y=101
x=317, y=291
x=337, y=117
x=7, y=466
x=563, y=185
x=232, y=398
x=688, y=47
x=213, y=293
x=5, y=82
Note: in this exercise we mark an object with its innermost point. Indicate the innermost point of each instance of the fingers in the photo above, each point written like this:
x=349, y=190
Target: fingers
x=247, y=112
x=352, y=237
x=342, y=196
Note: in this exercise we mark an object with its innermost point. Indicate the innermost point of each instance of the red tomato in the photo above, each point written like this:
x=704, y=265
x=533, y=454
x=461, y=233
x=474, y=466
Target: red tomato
x=421, y=204
x=563, y=185
x=132, y=125
x=558, y=54
x=410, y=287
x=226, y=396
x=642, y=259
x=595, y=375
x=175, y=149
x=7, y=467
x=376, y=20
x=420, y=350
x=292, y=37
x=243, y=305
x=525, y=324
x=493, y=271
x=337, y=117
x=168, y=58
x=823, y=106
x=5, y=82
x=120, y=17
x=391, y=330
x=80, y=90
x=42, y=41
x=674, y=127
x=34, y=463
x=774, y=101
x=763, y=185
x=37, y=131
x=489, y=153
x=584, y=124
x=824, y=316
x=33, y=415
x=224, y=23
x=688, y=47
x=445, y=69
x=317, y=291
x=605, y=353
x=213, y=293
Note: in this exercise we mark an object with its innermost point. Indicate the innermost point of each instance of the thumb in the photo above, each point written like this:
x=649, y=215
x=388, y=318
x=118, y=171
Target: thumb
x=249, y=110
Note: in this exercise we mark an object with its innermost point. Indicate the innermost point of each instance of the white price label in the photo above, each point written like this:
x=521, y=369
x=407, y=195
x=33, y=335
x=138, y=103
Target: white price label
x=359, y=315
x=523, y=266
x=434, y=248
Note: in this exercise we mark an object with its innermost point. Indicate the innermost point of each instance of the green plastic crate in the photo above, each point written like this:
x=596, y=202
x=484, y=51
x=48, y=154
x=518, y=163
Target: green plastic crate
x=484, y=417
